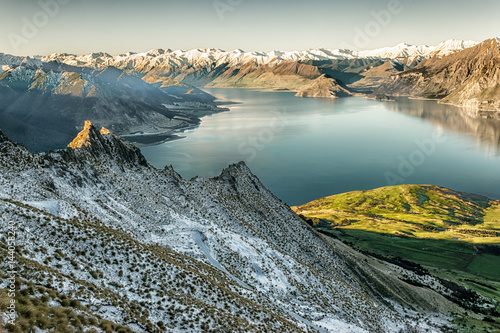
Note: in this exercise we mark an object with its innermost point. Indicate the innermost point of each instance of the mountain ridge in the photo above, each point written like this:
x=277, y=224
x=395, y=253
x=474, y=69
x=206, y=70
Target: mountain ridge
x=469, y=78
x=346, y=72
x=238, y=252
x=406, y=50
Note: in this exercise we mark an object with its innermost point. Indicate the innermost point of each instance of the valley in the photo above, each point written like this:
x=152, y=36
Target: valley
x=166, y=98
x=402, y=70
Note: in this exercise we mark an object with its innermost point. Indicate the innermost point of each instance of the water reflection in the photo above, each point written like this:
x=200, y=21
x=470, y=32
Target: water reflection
x=485, y=125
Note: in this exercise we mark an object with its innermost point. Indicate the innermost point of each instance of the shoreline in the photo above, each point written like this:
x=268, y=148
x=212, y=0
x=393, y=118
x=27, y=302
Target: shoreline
x=147, y=140
x=154, y=139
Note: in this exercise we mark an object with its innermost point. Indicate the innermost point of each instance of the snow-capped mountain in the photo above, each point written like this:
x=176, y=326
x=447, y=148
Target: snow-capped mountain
x=154, y=93
x=216, y=57
x=103, y=234
x=404, y=50
x=7, y=59
x=298, y=71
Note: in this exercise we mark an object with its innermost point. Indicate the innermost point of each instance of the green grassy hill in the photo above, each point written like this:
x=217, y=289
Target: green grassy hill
x=456, y=236
x=415, y=211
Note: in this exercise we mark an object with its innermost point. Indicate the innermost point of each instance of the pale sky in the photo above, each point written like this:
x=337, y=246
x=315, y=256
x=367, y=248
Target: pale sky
x=40, y=27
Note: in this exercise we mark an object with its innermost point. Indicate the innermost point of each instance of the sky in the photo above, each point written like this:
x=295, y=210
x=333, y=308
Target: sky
x=41, y=27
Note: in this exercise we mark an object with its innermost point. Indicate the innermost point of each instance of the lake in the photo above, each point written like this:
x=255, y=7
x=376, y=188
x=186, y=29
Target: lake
x=306, y=148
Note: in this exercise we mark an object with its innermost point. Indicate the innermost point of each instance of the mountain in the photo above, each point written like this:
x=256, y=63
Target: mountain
x=7, y=60
x=62, y=96
x=469, y=78
x=323, y=87
x=106, y=241
x=403, y=50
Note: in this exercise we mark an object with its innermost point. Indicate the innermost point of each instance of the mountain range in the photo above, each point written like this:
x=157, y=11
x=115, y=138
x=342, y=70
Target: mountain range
x=107, y=242
x=318, y=72
x=148, y=97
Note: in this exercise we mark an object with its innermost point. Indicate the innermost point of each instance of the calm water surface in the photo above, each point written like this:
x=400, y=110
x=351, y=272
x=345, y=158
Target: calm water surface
x=303, y=149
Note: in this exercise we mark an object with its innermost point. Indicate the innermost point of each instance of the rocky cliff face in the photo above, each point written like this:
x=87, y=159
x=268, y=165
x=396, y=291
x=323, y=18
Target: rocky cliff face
x=469, y=78
x=94, y=145
x=103, y=234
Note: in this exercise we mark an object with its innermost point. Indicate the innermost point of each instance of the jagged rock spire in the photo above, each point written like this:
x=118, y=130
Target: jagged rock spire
x=87, y=136
x=98, y=145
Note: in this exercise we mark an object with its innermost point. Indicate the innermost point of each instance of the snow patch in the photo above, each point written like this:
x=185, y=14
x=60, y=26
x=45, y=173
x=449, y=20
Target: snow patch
x=51, y=206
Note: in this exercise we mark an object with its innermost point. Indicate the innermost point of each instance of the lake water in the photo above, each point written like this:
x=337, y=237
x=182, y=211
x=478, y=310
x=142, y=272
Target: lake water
x=307, y=148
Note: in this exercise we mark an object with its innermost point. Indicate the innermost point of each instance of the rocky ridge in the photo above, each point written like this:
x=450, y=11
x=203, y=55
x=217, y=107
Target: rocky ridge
x=143, y=249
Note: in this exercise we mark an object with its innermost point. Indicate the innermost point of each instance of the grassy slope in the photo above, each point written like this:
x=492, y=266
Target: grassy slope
x=454, y=235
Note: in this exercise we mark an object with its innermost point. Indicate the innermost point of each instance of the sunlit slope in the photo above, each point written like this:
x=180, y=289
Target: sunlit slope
x=456, y=236
x=415, y=211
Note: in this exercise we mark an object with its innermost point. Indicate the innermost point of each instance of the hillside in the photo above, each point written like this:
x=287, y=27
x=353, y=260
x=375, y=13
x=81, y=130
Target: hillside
x=414, y=210
x=453, y=234
x=61, y=97
x=109, y=241
x=468, y=78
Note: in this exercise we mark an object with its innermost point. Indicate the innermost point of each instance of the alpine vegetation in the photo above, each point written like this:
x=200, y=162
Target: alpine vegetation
x=104, y=242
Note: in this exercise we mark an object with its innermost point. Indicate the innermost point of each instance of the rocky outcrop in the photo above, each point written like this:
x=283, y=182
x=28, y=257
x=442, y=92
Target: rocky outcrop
x=83, y=138
x=94, y=145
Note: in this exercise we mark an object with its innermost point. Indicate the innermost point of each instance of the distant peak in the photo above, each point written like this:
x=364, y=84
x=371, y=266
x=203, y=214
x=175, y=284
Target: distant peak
x=494, y=40
x=156, y=52
x=96, y=55
x=105, y=131
x=83, y=138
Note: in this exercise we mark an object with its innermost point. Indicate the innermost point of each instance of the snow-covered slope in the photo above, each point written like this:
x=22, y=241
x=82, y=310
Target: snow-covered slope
x=404, y=50
x=7, y=59
x=149, y=251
